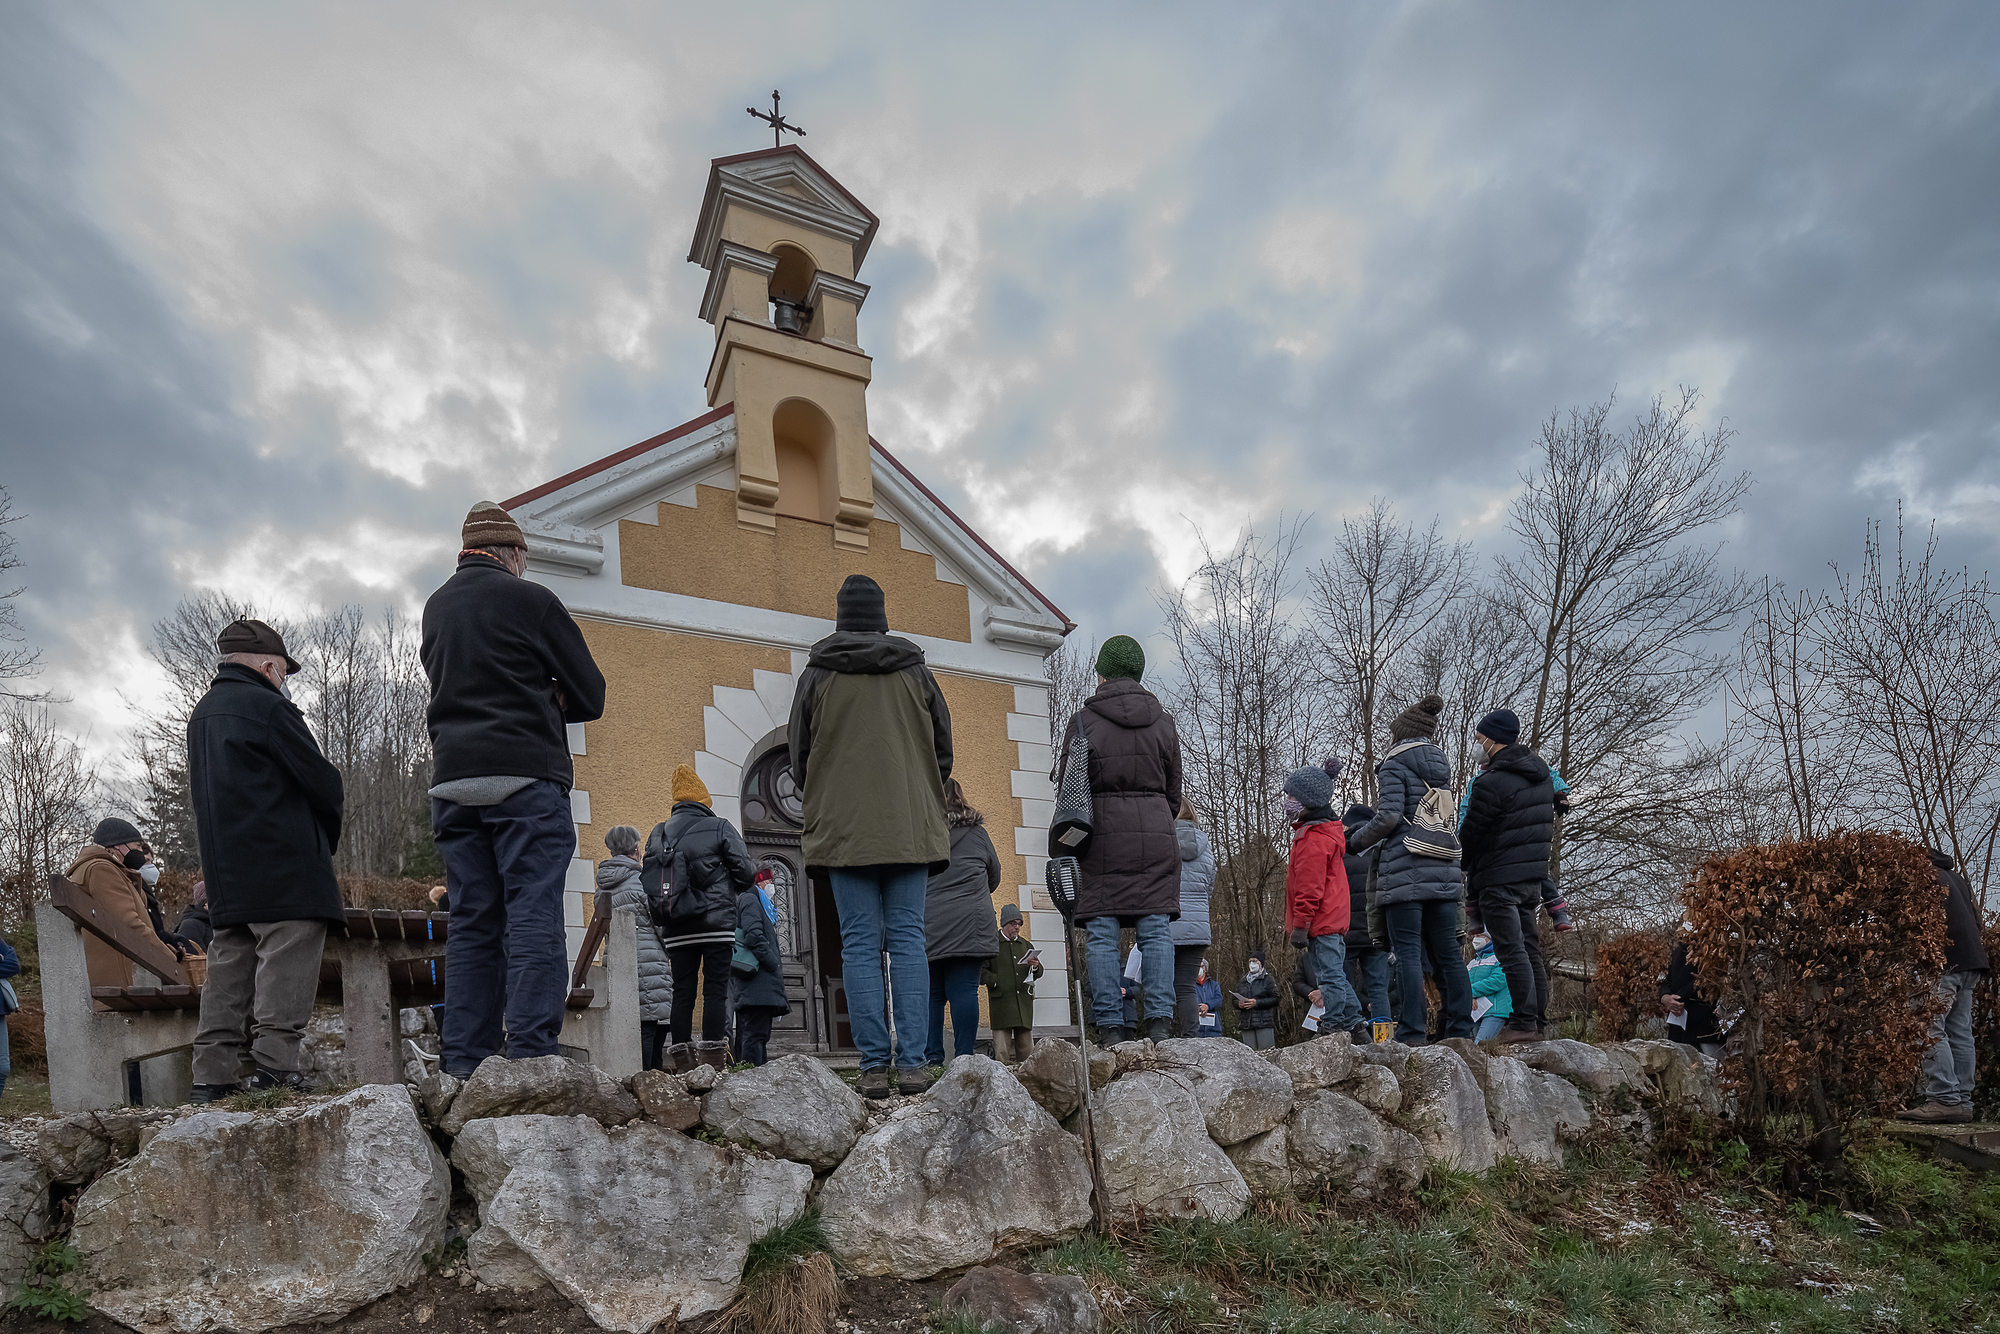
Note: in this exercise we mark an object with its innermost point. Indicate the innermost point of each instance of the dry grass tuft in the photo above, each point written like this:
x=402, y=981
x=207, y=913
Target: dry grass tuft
x=801, y=1296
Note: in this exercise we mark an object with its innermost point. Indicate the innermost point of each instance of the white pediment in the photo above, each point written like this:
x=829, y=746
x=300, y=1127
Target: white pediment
x=784, y=183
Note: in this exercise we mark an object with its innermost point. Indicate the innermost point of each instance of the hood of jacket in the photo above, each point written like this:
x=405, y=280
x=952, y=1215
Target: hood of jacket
x=1518, y=759
x=1189, y=838
x=861, y=653
x=965, y=819
x=614, y=871
x=1126, y=703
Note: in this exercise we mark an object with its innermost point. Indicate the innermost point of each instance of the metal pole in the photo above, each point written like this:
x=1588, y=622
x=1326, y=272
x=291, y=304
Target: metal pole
x=1099, y=1203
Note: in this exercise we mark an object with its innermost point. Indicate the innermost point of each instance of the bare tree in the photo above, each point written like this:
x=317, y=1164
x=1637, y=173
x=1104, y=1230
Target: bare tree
x=1072, y=677
x=1476, y=659
x=1913, y=652
x=1785, y=703
x=365, y=698
x=1619, y=606
x=46, y=794
x=18, y=662
x=1246, y=696
x=1386, y=587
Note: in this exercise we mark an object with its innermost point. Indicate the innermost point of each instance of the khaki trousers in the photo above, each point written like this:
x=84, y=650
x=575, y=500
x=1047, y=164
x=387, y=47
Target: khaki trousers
x=1011, y=1046
x=265, y=973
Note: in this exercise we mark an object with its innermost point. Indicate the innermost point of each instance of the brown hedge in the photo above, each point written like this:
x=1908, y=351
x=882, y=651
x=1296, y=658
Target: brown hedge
x=1824, y=953
x=1628, y=981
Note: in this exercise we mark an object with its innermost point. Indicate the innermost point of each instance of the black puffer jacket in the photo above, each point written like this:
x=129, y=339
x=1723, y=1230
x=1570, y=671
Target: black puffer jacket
x=1509, y=821
x=1358, y=869
x=710, y=868
x=766, y=989
x=1964, y=949
x=1133, y=868
x=958, y=902
x=1403, y=876
x=1265, y=992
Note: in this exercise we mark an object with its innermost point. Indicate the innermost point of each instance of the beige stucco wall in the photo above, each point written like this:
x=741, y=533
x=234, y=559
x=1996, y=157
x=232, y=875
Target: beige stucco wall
x=703, y=552
x=656, y=685
x=983, y=763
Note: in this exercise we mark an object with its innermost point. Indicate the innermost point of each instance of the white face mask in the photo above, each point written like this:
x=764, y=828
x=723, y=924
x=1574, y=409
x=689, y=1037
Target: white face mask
x=285, y=688
x=1255, y=968
x=150, y=874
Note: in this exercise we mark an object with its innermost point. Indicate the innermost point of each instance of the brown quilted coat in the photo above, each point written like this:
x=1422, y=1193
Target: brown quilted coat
x=1133, y=868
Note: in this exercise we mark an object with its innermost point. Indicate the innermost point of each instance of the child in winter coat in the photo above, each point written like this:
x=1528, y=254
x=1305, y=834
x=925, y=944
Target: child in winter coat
x=1317, y=902
x=1489, y=984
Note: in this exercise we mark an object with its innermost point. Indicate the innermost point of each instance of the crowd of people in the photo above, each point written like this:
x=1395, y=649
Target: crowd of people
x=1427, y=885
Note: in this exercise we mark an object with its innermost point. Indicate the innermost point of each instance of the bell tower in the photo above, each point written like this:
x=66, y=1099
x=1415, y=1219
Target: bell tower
x=781, y=241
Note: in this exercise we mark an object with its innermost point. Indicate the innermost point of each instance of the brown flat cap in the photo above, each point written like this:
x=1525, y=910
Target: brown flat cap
x=487, y=525
x=254, y=637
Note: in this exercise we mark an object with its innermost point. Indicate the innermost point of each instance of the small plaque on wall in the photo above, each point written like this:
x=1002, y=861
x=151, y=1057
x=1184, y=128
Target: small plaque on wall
x=1041, y=898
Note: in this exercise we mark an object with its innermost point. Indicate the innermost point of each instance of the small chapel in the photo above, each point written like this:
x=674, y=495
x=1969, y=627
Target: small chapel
x=702, y=563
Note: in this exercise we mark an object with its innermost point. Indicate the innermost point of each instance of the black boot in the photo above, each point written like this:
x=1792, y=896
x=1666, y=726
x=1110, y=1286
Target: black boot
x=874, y=1082
x=1362, y=1033
x=1158, y=1030
x=267, y=1078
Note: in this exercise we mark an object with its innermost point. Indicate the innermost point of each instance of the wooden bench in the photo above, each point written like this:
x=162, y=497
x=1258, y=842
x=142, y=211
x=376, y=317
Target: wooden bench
x=388, y=960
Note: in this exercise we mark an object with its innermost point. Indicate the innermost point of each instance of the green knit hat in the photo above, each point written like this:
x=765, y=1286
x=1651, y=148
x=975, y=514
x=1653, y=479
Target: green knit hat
x=1121, y=656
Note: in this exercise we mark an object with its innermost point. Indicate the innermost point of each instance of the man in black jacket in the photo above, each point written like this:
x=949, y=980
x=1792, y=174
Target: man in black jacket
x=1948, y=1070
x=267, y=809
x=508, y=668
x=1509, y=821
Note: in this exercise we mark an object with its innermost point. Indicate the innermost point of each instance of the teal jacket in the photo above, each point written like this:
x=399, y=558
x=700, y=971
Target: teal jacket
x=1490, y=982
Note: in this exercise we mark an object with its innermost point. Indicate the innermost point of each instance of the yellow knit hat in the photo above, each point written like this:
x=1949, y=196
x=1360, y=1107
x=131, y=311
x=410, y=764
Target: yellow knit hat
x=688, y=785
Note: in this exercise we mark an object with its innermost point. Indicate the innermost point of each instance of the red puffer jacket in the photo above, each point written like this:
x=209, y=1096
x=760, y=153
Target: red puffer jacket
x=1316, y=895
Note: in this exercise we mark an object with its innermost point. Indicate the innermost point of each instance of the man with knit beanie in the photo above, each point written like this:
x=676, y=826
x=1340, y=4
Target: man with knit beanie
x=1317, y=902
x=508, y=668
x=1417, y=893
x=1509, y=823
x=701, y=856
x=1131, y=873
x=870, y=740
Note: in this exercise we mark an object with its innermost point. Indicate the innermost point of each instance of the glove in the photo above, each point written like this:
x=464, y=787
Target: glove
x=1298, y=937
x=181, y=945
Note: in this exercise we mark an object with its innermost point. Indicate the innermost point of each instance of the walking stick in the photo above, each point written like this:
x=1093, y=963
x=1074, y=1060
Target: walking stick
x=1062, y=880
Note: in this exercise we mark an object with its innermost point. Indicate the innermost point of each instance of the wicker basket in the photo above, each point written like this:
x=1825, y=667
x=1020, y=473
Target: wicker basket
x=196, y=966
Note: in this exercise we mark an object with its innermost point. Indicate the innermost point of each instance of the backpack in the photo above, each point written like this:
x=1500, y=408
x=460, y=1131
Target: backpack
x=1432, y=829
x=662, y=875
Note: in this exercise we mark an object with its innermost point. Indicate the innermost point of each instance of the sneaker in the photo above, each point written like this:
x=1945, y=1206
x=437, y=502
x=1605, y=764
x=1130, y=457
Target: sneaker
x=267, y=1078
x=1936, y=1114
x=1511, y=1035
x=916, y=1079
x=1558, y=911
x=207, y=1093
x=874, y=1082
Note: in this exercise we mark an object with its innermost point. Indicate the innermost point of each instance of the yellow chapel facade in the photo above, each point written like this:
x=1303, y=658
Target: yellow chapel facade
x=702, y=564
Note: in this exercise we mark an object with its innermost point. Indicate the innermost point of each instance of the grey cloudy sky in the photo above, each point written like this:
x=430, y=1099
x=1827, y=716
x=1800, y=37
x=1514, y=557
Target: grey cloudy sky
x=284, y=288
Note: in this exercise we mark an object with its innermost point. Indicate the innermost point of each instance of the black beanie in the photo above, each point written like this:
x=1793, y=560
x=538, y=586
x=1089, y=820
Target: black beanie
x=1501, y=725
x=110, y=833
x=861, y=607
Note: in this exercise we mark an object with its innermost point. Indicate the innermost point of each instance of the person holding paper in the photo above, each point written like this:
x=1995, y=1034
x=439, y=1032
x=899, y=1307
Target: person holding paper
x=1316, y=896
x=1492, y=1006
x=1208, y=1003
x=1256, y=999
x=1010, y=990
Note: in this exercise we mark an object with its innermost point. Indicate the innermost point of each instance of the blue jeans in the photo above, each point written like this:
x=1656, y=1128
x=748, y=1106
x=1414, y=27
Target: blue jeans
x=1336, y=993
x=956, y=981
x=1156, y=971
x=6, y=1058
x=883, y=907
x=505, y=961
x=1490, y=1027
x=1412, y=927
x=1374, y=968
x=1948, y=1066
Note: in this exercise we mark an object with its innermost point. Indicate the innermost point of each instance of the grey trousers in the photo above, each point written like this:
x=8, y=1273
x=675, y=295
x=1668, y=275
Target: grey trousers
x=1948, y=1067
x=1011, y=1046
x=1259, y=1039
x=265, y=973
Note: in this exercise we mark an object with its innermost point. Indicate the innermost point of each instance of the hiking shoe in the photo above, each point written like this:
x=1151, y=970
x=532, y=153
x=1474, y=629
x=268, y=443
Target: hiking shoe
x=714, y=1054
x=1558, y=911
x=1510, y=1035
x=267, y=1078
x=916, y=1079
x=207, y=1093
x=1936, y=1114
x=874, y=1082
x=1362, y=1034
x=679, y=1058
x=1157, y=1030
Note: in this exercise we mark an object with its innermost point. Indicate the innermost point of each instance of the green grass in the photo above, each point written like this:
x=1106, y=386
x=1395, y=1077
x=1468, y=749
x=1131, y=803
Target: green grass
x=1691, y=1243
x=783, y=1246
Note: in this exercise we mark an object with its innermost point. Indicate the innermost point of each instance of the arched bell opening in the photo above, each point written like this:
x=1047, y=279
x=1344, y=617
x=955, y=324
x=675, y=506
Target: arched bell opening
x=789, y=284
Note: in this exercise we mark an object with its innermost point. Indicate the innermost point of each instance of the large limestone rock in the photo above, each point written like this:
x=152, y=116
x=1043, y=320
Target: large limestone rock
x=1392, y=1056
x=1332, y=1140
x=1374, y=1087
x=1677, y=1071
x=1265, y=1161
x=24, y=1213
x=1319, y=1064
x=1602, y=1070
x=540, y=1085
x=1240, y=1094
x=636, y=1225
x=1002, y=1299
x=1449, y=1112
x=951, y=1179
x=793, y=1108
x=1157, y=1157
x=245, y=1221
x=1531, y=1113
x=74, y=1147
x=1053, y=1076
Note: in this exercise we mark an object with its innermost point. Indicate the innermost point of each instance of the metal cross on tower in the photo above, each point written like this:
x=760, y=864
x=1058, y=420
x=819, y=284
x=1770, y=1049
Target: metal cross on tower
x=776, y=121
